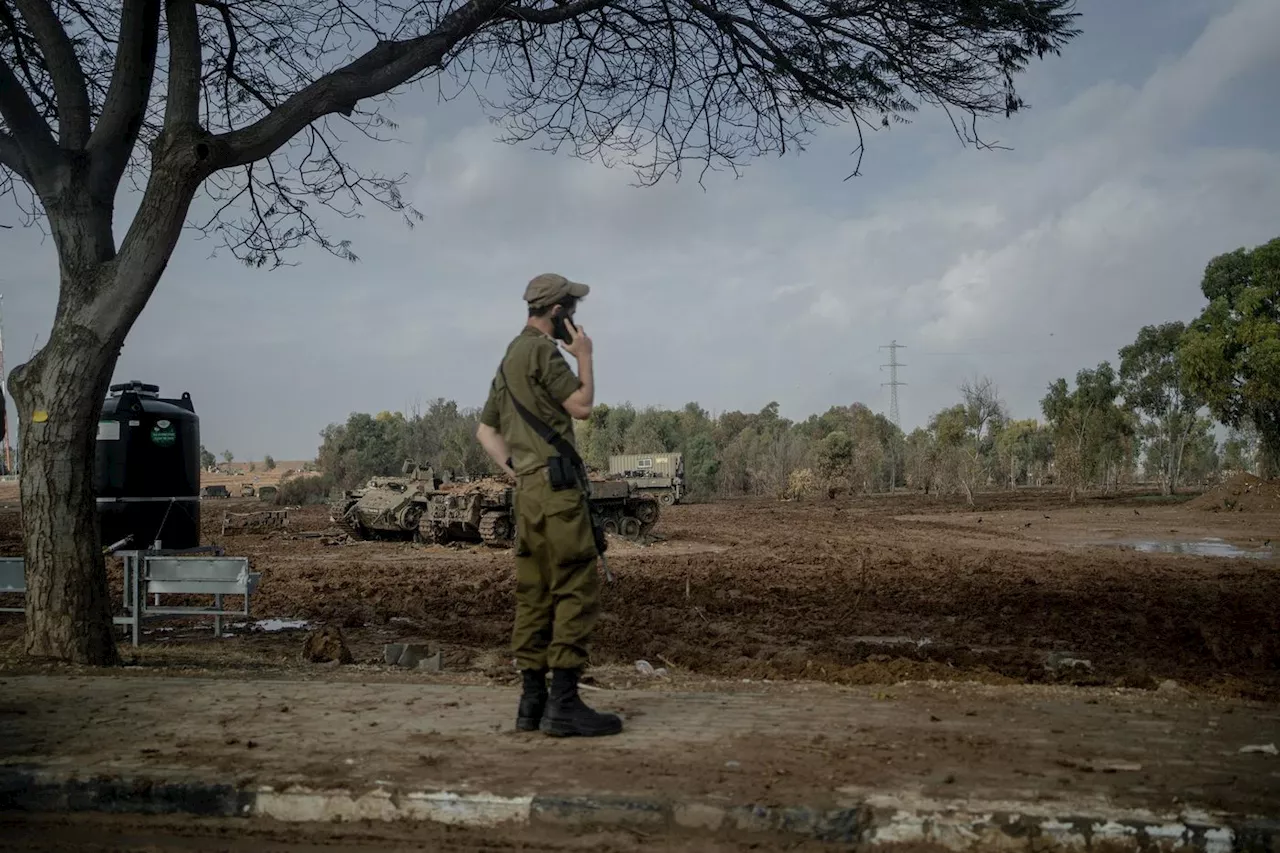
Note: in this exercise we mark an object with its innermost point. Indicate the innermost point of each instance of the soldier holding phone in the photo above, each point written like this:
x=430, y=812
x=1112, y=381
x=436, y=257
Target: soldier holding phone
x=526, y=427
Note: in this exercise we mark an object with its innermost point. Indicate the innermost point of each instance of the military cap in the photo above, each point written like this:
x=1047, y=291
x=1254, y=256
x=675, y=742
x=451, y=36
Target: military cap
x=549, y=288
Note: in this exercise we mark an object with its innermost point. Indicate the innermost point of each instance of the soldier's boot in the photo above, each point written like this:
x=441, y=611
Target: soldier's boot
x=568, y=716
x=533, y=699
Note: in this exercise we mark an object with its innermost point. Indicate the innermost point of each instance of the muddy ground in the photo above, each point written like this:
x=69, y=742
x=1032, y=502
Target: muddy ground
x=1021, y=588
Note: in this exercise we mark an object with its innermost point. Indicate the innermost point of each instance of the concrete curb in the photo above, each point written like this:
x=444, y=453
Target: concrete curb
x=869, y=822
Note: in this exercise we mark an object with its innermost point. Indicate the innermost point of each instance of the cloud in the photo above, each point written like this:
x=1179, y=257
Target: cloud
x=1022, y=264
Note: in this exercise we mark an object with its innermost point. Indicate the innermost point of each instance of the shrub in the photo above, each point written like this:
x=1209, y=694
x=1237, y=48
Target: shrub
x=304, y=490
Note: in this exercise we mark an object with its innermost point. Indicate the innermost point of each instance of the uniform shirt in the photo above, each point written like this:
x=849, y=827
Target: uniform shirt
x=541, y=379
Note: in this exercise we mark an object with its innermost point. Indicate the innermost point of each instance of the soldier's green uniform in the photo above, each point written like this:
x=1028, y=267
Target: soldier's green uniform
x=557, y=587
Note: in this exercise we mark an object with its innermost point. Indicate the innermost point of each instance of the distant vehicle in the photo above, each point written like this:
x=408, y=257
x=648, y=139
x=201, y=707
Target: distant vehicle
x=660, y=475
x=421, y=506
x=215, y=492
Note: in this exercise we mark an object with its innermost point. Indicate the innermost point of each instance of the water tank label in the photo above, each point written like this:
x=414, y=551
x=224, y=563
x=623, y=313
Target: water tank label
x=163, y=434
x=108, y=430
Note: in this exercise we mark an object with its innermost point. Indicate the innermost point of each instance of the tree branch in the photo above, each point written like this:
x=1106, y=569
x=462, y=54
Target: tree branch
x=559, y=14
x=183, y=107
x=64, y=69
x=11, y=157
x=229, y=67
x=24, y=63
x=381, y=69
x=125, y=109
x=29, y=131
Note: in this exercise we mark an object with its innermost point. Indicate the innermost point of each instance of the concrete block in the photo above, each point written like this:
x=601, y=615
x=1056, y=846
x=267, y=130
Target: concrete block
x=412, y=654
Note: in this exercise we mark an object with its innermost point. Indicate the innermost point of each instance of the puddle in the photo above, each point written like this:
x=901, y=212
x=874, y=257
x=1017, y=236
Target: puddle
x=1210, y=547
x=891, y=641
x=274, y=625
x=922, y=642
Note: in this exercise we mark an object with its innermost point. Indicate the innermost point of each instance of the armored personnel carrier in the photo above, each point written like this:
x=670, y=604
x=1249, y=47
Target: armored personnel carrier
x=387, y=507
x=422, y=507
x=622, y=508
x=479, y=510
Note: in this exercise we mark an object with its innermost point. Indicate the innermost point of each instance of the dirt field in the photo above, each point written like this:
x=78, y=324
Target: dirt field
x=1025, y=589
x=232, y=475
x=236, y=474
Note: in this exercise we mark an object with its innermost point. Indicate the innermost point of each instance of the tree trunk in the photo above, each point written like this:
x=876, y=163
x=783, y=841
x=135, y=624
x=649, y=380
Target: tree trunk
x=1166, y=471
x=1176, y=465
x=59, y=395
x=1267, y=422
x=1175, y=457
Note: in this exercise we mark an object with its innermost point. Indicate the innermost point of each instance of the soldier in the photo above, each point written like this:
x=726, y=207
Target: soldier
x=526, y=427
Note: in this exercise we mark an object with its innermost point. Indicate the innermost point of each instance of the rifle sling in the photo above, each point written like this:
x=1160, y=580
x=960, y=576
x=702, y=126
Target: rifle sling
x=544, y=431
x=567, y=450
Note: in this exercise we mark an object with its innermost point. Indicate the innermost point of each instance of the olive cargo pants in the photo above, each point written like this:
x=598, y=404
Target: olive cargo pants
x=557, y=588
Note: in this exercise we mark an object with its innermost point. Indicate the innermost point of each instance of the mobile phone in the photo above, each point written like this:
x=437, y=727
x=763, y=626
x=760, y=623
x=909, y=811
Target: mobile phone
x=560, y=328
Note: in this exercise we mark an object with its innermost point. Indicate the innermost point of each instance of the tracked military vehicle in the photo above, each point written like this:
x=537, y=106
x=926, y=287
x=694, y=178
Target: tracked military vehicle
x=481, y=510
x=422, y=507
x=387, y=507
x=622, y=508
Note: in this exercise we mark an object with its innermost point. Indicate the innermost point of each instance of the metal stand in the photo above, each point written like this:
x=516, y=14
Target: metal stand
x=179, y=579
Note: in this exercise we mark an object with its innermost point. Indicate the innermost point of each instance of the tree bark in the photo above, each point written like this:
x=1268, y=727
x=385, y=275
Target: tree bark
x=1267, y=422
x=59, y=395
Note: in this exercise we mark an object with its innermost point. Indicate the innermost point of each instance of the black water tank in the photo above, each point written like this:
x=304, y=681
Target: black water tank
x=147, y=468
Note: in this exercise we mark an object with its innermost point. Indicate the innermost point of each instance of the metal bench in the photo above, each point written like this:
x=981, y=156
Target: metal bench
x=13, y=579
x=152, y=575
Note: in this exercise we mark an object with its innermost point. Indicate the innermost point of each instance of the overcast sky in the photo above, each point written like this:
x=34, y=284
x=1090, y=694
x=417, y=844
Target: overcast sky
x=1151, y=145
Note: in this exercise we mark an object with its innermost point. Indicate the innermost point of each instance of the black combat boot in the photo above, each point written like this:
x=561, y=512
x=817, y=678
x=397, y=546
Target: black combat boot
x=568, y=716
x=533, y=701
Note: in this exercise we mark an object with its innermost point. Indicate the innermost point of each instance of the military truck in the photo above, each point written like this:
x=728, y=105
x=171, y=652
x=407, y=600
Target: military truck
x=420, y=506
x=658, y=474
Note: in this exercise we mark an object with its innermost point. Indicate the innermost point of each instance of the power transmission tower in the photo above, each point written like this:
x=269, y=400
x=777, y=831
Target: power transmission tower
x=893, y=384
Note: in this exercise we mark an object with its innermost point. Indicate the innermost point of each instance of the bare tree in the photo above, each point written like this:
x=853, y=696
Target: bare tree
x=242, y=101
x=984, y=410
x=968, y=431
